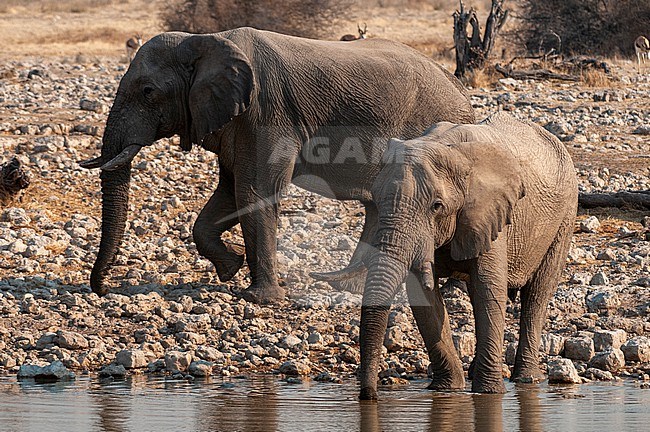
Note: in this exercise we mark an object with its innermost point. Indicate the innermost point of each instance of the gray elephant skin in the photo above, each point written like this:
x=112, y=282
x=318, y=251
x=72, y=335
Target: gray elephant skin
x=261, y=101
x=493, y=203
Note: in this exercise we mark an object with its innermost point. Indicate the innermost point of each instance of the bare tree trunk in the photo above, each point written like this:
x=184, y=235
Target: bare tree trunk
x=473, y=51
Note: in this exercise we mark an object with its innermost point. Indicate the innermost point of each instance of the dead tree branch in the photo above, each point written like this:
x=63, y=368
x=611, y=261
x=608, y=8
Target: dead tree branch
x=534, y=74
x=619, y=200
x=472, y=51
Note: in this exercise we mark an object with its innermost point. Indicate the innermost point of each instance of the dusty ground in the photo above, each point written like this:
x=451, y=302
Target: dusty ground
x=58, y=53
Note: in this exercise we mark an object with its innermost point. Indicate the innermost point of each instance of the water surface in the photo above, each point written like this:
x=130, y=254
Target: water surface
x=266, y=403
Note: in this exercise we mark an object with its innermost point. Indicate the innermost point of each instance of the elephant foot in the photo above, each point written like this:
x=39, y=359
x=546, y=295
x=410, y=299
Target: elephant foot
x=368, y=394
x=491, y=386
x=447, y=383
x=229, y=263
x=264, y=294
x=527, y=376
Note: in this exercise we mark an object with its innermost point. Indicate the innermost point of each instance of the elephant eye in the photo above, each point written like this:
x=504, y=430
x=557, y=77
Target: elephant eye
x=147, y=90
x=437, y=205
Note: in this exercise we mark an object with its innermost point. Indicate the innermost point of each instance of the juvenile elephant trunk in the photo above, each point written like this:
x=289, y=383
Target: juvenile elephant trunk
x=115, y=199
x=384, y=278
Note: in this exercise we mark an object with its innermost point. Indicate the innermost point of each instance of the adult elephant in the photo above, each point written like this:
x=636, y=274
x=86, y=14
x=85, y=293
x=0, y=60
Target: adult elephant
x=494, y=203
x=276, y=109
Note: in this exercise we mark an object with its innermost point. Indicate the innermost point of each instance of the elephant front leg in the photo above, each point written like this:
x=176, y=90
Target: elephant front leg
x=488, y=292
x=433, y=322
x=259, y=222
x=218, y=216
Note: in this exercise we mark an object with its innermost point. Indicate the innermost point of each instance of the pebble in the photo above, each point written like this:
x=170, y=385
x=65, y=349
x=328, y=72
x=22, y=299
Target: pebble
x=590, y=225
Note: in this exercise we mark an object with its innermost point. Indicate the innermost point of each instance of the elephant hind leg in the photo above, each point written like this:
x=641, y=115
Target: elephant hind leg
x=535, y=297
x=218, y=216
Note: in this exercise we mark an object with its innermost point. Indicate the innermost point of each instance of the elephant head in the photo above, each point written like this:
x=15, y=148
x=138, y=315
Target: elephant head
x=431, y=196
x=190, y=85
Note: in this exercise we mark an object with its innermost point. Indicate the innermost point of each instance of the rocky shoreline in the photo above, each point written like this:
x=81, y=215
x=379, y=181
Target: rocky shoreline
x=168, y=313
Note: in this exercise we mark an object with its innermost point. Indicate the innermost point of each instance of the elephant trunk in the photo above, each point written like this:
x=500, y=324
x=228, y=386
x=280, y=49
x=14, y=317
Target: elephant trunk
x=115, y=199
x=385, y=275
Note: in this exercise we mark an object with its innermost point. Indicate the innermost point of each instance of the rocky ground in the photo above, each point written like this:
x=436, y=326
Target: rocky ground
x=168, y=313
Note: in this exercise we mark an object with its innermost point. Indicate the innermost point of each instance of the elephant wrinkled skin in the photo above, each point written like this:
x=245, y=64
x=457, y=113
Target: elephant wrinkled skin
x=276, y=109
x=493, y=202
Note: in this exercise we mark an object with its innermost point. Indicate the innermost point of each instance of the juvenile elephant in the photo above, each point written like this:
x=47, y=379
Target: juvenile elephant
x=494, y=203
x=276, y=109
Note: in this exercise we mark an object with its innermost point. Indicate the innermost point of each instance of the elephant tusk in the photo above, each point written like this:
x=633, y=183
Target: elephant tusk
x=125, y=157
x=426, y=277
x=92, y=163
x=354, y=270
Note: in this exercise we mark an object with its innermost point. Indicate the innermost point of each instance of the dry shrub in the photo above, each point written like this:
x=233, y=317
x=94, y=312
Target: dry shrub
x=595, y=27
x=481, y=78
x=306, y=18
x=596, y=78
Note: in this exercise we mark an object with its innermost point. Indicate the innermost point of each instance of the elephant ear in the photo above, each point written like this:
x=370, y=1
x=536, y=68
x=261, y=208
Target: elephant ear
x=493, y=186
x=221, y=85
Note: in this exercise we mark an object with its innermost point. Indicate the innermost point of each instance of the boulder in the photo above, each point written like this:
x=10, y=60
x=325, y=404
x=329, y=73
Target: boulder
x=177, y=360
x=610, y=360
x=608, y=339
x=294, y=368
x=637, y=349
x=131, y=359
x=579, y=348
x=562, y=371
x=551, y=344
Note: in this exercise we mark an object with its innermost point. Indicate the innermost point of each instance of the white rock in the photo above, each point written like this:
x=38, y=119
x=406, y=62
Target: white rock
x=562, y=371
x=177, y=360
x=131, y=359
x=551, y=344
x=607, y=339
x=590, y=225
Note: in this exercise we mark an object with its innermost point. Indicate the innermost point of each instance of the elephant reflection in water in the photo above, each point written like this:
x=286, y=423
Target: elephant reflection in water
x=258, y=410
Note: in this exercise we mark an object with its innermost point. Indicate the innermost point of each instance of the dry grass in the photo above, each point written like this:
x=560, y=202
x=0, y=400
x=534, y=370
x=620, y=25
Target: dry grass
x=79, y=35
x=596, y=78
x=483, y=78
x=56, y=6
x=69, y=27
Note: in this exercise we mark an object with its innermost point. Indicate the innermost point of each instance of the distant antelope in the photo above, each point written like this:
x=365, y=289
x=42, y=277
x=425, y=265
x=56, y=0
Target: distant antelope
x=642, y=48
x=132, y=46
x=362, y=34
